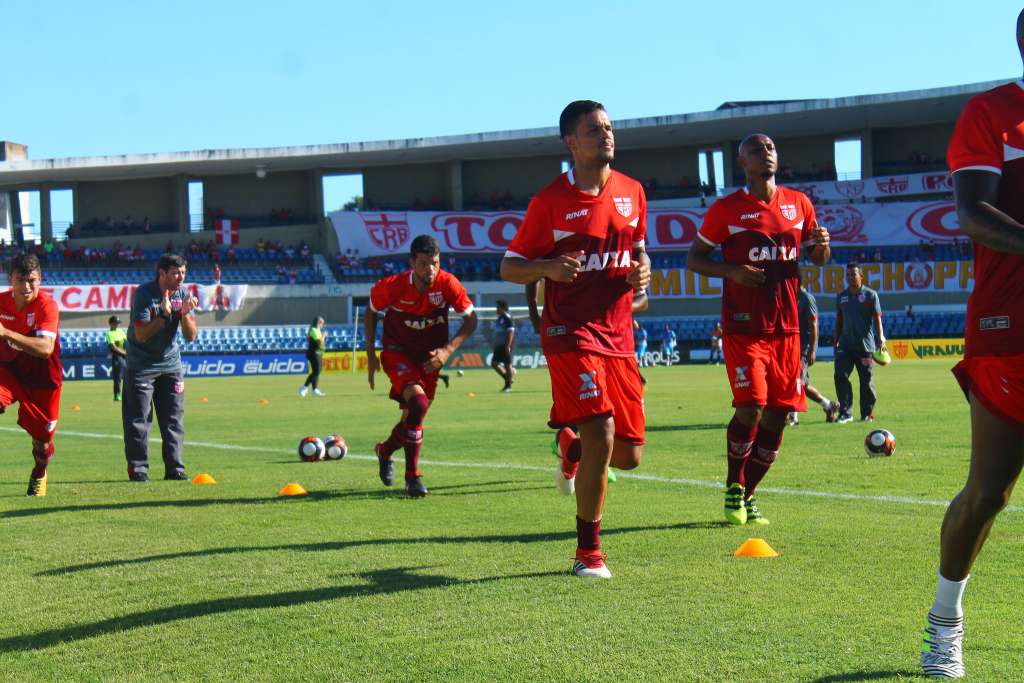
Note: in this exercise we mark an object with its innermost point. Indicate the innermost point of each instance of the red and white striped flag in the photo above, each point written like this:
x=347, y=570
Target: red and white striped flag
x=227, y=230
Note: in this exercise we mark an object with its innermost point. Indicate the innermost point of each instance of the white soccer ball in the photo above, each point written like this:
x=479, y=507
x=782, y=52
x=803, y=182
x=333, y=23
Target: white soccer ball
x=335, y=447
x=879, y=442
x=459, y=373
x=311, y=449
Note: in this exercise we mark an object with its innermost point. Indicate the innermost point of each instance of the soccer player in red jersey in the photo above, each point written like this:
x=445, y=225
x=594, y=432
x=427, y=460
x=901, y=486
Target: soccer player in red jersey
x=415, y=348
x=760, y=229
x=584, y=236
x=986, y=158
x=30, y=368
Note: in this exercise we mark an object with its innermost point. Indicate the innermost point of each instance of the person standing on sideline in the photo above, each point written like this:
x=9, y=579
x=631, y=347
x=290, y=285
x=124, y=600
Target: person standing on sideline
x=583, y=235
x=504, y=335
x=668, y=344
x=858, y=317
x=31, y=373
x=316, y=339
x=641, y=343
x=116, y=339
x=716, y=344
x=415, y=348
x=155, y=380
x=808, y=311
x=986, y=159
x=761, y=229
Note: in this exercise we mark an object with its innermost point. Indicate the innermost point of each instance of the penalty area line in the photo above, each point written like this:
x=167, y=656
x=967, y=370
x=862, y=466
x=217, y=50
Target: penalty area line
x=694, y=483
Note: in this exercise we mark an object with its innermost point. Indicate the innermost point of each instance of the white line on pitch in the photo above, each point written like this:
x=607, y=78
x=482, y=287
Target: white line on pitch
x=698, y=483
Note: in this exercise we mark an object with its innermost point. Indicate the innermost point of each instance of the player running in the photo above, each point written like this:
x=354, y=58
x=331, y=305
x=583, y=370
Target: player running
x=415, y=348
x=584, y=236
x=504, y=334
x=760, y=229
x=986, y=158
x=30, y=368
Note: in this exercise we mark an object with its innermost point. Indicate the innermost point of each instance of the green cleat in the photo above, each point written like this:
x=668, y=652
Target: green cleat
x=735, y=511
x=754, y=515
x=611, y=476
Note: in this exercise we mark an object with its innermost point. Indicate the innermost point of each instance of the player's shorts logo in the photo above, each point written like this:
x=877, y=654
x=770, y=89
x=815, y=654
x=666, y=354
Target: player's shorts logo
x=789, y=211
x=741, y=377
x=624, y=205
x=588, y=387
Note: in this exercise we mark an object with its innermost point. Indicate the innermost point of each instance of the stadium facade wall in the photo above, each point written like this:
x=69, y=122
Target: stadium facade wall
x=152, y=197
x=311, y=233
x=520, y=177
x=893, y=146
x=236, y=195
x=666, y=165
x=402, y=186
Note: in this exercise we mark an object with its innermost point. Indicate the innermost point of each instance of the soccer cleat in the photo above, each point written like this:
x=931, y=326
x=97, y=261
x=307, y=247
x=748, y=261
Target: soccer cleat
x=565, y=474
x=832, y=414
x=735, y=510
x=385, y=466
x=303, y=390
x=138, y=475
x=176, y=476
x=414, y=487
x=611, y=476
x=754, y=515
x=317, y=392
x=446, y=379
x=589, y=564
x=868, y=418
x=117, y=397
x=36, y=487
x=844, y=418
x=942, y=653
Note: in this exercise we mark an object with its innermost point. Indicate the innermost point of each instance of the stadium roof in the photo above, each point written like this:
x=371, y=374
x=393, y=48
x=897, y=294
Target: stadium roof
x=731, y=121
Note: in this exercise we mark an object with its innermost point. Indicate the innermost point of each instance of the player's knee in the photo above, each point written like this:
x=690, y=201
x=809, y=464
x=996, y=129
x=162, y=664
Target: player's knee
x=627, y=456
x=417, y=405
x=749, y=415
x=987, y=501
x=601, y=428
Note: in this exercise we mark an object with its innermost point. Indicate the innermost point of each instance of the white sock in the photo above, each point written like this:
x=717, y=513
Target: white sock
x=949, y=598
x=826, y=404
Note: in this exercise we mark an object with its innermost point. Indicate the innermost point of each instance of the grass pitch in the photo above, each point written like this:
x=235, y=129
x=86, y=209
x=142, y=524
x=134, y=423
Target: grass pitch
x=109, y=580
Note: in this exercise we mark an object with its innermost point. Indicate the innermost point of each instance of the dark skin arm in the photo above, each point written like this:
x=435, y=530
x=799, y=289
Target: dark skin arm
x=976, y=193
x=370, y=330
x=699, y=261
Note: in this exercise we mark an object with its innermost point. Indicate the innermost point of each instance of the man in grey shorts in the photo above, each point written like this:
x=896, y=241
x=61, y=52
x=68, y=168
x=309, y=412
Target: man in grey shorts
x=858, y=314
x=155, y=379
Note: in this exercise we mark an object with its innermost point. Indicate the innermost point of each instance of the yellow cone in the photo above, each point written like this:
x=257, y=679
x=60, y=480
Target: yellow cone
x=471, y=394
x=264, y=401
x=204, y=400
x=76, y=407
x=292, y=489
x=203, y=478
x=755, y=547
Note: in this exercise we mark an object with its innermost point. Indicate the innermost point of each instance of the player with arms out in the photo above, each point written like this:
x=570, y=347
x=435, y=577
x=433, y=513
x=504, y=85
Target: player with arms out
x=504, y=334
x=415, y=347
x=30, y=368
x=760, y=229
x=584, y=236
x=986, y=158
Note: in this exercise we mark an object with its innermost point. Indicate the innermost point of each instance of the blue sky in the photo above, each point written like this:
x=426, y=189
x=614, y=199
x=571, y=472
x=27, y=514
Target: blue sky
x=116, y=77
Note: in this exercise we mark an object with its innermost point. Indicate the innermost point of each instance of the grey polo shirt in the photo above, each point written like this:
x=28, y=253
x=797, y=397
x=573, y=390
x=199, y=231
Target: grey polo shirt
x=159, y=353
x=859, y=311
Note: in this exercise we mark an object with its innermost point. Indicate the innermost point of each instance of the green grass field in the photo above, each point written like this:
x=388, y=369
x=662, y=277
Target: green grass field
x=109, y=580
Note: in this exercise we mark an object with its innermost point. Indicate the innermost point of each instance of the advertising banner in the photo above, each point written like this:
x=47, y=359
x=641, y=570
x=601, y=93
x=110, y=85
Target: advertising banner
x=926, y=349
x=102, y=298
x=376, y=233
x=201, y=366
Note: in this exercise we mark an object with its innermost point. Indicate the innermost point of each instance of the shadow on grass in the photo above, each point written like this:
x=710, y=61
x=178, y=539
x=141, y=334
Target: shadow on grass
x=867, y=676
x=397, y=580
x=378, y=493
x=687, y=428
x=328, y=546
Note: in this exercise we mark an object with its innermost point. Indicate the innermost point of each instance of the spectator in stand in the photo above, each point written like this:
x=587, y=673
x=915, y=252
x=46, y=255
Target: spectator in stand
x=909, y=311
x=216, y=273
x=169, y=247
x=878, y=255
x=232, y=255
x=293, y=276
x=137, y=253
x=261, y=246
x=145, y=225
x=304, y=251
x=282, y=275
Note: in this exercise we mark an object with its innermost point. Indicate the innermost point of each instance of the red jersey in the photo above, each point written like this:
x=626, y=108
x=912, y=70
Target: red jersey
x=769, y=237
x=39, y=318
x=594, y=311
x=989, y=136
x=416, y=322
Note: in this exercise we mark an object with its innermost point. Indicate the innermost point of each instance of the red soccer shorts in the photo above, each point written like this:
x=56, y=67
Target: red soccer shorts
x=38, y=409
x=585, y=385
x=998, y=382
x=402, y=372
x=765, y=371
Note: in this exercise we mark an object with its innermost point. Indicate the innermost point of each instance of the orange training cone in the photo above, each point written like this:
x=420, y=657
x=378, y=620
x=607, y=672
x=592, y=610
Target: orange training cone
x=76, y=407
x=204, y=478
x=264, y=401
x=292, y=489
x=755, y=547
x=204, y=400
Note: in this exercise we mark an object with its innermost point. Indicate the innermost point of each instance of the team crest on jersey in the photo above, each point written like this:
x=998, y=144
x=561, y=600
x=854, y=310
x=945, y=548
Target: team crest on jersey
x=436, y=298
x=624, y=205
x=789, y=211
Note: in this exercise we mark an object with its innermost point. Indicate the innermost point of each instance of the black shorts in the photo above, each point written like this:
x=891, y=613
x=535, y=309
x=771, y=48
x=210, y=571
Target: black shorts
x=501, y=355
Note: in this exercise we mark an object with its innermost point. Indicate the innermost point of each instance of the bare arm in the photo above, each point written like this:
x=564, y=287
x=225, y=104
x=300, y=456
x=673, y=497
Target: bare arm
x=699, y=261
x=641, y=303
x=40, y=347
x=640, y=275
x=189, y=327
x=145, y=332
x=821, y=252
x=531, y=302
x=438, y=357
x=523, y=271
x=812, y=352
x=976, y=193
x=370, y=331
x=881, y=333
x=116, y=350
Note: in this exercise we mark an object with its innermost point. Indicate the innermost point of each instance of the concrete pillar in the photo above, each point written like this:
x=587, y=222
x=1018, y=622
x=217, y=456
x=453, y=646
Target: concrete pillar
x=181, y=204
x=76, y=205
x=867, y=154
x=316, y=196
x=455, y=185
x=45, y=217
x=729, y=154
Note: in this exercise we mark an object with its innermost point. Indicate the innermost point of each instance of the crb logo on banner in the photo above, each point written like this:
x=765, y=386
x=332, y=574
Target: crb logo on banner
x=937, y=221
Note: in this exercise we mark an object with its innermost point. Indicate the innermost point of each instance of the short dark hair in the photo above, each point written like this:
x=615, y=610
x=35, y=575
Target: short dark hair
x=424, y=244
x=572, y=113
x=501, y=303
x=25, y=265
x=853, y=264
x=168, y=261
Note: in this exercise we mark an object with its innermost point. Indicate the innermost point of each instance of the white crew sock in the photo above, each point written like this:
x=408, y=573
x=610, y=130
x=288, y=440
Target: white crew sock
x=949, y=598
